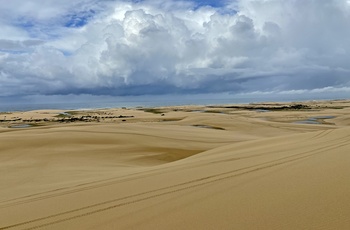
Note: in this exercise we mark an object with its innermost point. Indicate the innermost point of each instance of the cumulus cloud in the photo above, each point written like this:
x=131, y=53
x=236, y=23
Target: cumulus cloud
x=158, y=47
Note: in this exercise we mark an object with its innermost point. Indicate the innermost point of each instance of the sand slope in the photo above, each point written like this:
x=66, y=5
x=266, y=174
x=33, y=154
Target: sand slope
x=175, y=176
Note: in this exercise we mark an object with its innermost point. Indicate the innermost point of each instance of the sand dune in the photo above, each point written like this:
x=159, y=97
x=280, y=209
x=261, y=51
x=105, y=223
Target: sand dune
x=241, y=169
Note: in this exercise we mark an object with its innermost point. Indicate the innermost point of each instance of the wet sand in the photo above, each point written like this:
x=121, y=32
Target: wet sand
x=187, y=167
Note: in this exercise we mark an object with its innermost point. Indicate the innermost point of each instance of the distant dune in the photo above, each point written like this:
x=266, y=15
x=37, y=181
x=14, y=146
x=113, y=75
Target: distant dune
x=256, y=166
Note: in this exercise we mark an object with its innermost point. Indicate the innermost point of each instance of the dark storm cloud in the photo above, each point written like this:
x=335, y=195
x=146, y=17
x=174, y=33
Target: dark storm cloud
x=160, y=47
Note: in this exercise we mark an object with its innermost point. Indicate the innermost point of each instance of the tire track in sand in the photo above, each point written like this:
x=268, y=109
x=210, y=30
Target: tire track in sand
x=106, y=182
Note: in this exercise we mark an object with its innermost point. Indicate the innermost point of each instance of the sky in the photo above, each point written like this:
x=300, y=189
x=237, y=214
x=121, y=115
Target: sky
x=160, y=47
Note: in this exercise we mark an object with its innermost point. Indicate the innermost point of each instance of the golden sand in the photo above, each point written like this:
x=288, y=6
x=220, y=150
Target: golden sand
x=186, y=167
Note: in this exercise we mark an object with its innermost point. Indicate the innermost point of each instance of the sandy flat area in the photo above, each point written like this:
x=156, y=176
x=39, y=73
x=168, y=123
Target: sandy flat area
x=255, y=166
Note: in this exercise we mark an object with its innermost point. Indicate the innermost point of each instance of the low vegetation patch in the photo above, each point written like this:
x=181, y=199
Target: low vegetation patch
x=209, y=127
x=213, y=111
x=153, y=110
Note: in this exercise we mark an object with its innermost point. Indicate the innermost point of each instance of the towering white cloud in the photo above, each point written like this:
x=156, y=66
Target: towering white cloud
x=152, y=47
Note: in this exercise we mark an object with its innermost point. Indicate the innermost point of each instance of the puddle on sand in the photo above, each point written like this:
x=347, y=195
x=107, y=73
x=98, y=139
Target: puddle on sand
x=262, y=110
x=65, y=114
x=314, y=120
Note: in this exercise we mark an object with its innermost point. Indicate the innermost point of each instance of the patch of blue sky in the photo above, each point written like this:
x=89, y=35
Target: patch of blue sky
x=212, y=3
x=79, y=19
x=66, y=53
x=218, y=4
